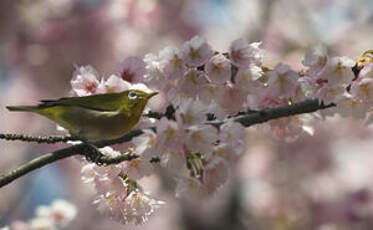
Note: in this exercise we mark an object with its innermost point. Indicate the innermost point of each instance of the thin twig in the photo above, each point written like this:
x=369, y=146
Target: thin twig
x=307, y=106
x=37, y=139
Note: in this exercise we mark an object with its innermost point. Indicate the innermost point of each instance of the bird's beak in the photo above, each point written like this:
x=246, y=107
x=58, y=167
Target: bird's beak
x=150, y=95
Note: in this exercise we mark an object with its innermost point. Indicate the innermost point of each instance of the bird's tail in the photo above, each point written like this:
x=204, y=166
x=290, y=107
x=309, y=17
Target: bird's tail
x=22, y=108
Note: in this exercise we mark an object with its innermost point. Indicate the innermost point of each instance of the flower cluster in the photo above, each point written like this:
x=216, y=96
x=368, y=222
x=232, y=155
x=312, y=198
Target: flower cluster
x=56, y=216
x=200, y=85
x=118, y=194
x=332, y=80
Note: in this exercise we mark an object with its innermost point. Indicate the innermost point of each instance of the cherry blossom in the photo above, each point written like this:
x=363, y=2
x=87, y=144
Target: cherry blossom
x=132, y=69
x=218, y=69
x=367, y=71
x=85, y=81
x=172, y=62
x=115, y=84
x=139, y=206
x=154, y=75
x=137, y=168
x=216, y=173
x=247, y=78
x=197, y=51
x=60, y=212
x=363, y=90
x=328, y=94
x=191, y=188
x=146, y=145
x=191, y=112
x=349, y=106
x=191, y=84
x=243, y=54
x=315, y=58
x=200, y=139
x=282, y=81
x=233, y=134
x=232, y=93
x=337, y=71
x=56, y=216
x=169, y=136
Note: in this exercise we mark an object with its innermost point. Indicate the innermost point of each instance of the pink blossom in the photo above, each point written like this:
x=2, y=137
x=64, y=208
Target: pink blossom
x=91, y=172
x=262, y=98
x=115, y=84
x=215, y=174
x=197, y=51
x=88, y=173
x=142, y=87
x=219, y=69
x=111, y=206
x=174, y=162
x=139, y=206
x=85, y=81
x=243, y=54
x=132, y=69
x=349, y=106
x=172, y=62
x=109, y=186
x=137, y=168
x=282, y=81
x=191, y=112
x=190, y=188
x=60, y=212
x=146, y=144
x=201, y=139
x=217, y=110
x=246, y=78
x=232, y=99
x=154, y=75
x=329, y=95
x=226, y=151
x=210, y=92
x=337, y=71
x=169, y=136
x=363, y=90
x=233, y=134
x=191, y=83
x=290, y=128
x=315, y=58
x=367, y=71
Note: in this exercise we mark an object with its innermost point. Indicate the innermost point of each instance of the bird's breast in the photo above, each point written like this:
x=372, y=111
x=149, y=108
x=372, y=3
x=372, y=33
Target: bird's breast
x=93, y=124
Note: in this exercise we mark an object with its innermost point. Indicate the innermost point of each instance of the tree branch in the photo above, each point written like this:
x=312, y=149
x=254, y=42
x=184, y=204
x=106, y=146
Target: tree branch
x=264, y=115
x=307, y=106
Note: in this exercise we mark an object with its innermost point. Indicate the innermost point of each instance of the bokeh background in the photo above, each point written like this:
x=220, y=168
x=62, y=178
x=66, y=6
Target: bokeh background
x=319, y=182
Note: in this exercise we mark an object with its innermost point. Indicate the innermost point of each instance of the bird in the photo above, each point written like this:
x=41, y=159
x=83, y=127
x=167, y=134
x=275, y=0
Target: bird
x=95, y=117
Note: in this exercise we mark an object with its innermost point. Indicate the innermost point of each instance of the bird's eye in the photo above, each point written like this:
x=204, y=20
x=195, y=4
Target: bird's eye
x=132, y=95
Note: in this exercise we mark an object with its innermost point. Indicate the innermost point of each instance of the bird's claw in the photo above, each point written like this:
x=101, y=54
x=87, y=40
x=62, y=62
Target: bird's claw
x=93, y=154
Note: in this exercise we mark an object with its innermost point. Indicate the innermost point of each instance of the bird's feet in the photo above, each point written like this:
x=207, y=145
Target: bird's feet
x=93, y=154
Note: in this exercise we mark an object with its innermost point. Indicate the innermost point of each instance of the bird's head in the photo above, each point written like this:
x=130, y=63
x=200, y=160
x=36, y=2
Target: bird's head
x=135, y=100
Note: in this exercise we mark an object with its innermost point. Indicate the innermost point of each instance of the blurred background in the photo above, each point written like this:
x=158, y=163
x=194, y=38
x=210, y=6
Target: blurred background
x=321, y=182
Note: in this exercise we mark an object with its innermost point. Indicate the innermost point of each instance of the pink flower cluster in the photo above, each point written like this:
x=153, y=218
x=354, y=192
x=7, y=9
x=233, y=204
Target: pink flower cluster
x=56, y=216
x=198, y=82
x=332, y=80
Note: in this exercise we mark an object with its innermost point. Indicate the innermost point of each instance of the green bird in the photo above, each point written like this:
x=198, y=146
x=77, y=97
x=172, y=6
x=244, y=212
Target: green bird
x=96, y=117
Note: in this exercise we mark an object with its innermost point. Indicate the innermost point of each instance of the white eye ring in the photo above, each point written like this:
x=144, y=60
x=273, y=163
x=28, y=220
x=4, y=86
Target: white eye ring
x=132, y=95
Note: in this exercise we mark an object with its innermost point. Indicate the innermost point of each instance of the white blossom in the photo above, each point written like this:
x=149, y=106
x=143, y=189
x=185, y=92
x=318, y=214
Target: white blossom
x=219, y=69
x=244, y=54
x=197, y=51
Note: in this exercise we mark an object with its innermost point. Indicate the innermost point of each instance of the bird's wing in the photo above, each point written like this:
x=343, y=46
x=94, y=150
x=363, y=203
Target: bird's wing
x=99, y=102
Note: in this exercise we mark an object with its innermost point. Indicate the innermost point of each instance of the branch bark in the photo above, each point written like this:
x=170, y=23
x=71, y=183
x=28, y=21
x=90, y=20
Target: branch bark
x=261, y=116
